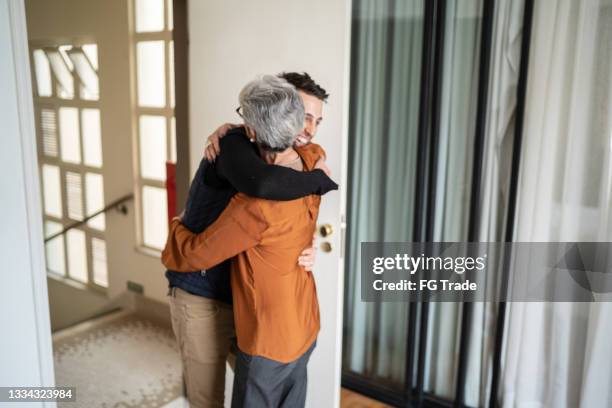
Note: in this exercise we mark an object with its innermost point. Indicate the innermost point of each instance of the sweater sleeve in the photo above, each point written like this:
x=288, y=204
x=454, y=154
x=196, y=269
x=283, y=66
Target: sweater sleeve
x=241, y=166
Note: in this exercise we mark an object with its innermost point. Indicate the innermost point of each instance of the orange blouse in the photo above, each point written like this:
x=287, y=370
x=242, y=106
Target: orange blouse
x=276, y=310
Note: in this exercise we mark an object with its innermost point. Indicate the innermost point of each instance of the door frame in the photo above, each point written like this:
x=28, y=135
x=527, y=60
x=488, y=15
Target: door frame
x=29, y=159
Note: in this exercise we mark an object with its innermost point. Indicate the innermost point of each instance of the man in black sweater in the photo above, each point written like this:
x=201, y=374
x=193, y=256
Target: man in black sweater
x=200, y=301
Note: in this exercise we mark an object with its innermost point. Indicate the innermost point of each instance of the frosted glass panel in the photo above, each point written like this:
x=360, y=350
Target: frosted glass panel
x=149, y=15
x=61, y=69
x=48, y=131
x=171, y=71
x=77, y=255
x=54, y=249
x=89, y=89
x=98, y=261
x=155, y=217
x=153, y=147
x=170, y=15
x=52, y=190
x=69, y=135
x=94, y=199
x=151, y=74
x=91, y=50
x=43, y=73
x=74, y=195
x=92, y=140
x=63, y=50
x=173, y=140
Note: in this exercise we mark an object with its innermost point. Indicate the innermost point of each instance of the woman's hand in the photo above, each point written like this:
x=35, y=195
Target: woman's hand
x=307, y=257
x=320, y=164
x=212, y=149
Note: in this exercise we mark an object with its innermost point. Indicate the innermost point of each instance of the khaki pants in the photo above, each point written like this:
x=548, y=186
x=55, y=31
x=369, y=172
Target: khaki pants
x=204, y=329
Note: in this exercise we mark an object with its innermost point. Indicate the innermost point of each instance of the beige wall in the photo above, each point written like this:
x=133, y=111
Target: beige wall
x=233, y=41
x=70, y=304
x=107, y=24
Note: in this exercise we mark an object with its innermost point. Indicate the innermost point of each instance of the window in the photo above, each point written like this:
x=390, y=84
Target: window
x=69, y=135
x=154, y=116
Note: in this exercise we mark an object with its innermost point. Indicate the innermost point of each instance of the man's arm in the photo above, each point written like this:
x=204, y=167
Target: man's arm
x=239, y=164
x=204, y=202
x=237, y=229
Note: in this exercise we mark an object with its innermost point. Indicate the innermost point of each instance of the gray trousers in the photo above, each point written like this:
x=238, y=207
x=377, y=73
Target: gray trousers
x=263, y=383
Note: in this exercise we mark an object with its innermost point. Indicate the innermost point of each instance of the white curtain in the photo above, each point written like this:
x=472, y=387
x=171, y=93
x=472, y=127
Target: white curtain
x=500, y=127
x=560, y=354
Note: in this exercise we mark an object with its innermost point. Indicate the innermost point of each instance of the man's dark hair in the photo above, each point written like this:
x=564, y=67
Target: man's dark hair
x=304, y=82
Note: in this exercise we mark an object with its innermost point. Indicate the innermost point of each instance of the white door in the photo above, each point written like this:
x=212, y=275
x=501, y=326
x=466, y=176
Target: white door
x=232, y=41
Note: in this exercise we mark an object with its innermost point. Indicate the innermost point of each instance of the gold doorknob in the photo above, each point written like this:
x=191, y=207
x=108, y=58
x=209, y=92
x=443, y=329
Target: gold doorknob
x=325, y=230
x=326, y=247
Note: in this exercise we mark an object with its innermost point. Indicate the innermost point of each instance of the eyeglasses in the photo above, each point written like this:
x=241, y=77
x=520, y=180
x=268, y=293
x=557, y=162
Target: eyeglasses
x=238, y=112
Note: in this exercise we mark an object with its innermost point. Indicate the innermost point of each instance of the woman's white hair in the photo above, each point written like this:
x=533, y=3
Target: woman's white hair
x=274, y=109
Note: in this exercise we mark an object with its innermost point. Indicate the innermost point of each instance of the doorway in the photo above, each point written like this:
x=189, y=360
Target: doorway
x=104, y=99
x=104, y=106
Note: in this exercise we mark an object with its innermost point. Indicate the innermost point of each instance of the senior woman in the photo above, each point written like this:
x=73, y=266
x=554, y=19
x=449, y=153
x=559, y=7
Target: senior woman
x=276, y=311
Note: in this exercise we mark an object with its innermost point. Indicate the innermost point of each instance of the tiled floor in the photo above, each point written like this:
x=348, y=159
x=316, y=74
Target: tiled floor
x=119, y=360
x=101, y=356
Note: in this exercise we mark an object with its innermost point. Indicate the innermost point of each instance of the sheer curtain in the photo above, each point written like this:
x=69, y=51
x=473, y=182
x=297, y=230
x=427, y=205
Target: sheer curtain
x=500, y=127
x=560, y=354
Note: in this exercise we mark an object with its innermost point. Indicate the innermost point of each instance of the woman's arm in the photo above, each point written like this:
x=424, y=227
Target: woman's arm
x=238, y=228
x=240, y=164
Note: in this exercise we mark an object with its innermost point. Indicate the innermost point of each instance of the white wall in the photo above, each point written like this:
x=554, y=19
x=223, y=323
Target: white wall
x=232, y=41
x=25, y=343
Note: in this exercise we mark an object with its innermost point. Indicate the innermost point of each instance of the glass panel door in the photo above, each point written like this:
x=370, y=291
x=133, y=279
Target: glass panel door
x=457, y=124
x=386, y=82
x=414, y=101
